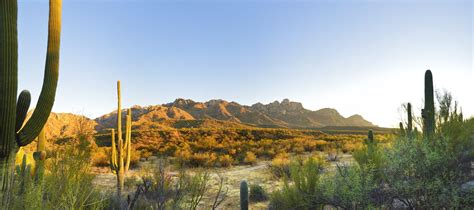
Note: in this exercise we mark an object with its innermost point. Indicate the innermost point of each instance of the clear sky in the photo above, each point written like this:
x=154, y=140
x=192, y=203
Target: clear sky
x=360, y=57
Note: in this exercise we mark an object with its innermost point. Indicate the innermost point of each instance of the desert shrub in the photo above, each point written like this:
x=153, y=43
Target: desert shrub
x=351, y=147
x=134, y=157
x=257, y=193
x=101, y=157
x=68, y=174
x=280, y=166
x=333, y=155
x=184, y=154
x=424, y=174
x=348, y=187
x=352, y=187
x=371, y=155
x=196, y=187
x=62, y=186
x=301, y=190
x=160, y=190
x=298, y=149
x=145, y=154
x=250, y=158
x=225, y=160
x=203, y=159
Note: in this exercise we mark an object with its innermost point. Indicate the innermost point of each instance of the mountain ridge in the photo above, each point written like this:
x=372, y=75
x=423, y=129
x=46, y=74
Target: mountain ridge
x=284, y=114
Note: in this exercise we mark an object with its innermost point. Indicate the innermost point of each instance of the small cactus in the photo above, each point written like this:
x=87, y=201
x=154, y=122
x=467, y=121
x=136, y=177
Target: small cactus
x=244, y=195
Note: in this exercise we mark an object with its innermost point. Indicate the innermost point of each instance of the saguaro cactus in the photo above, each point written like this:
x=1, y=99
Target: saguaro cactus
x=428, y=112
x=244, y=195
x=13, y=111
x=121, y=152
x=402, y=129
x=409, y=120
x=409, y=129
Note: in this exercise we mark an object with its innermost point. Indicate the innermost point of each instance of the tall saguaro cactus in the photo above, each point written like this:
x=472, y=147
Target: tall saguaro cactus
x=13, y=111
x=428, y=112
x=121, y=152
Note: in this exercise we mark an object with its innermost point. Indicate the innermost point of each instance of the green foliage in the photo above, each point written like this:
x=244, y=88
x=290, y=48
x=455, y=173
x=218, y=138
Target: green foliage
x=424, y=174
x=197, y=185
x=370, y=156
x=352, y=187
x=63, y=183
x=244, y=195
x=257, y=193
x=302, y=190
x=160, y=190
x=68, y=175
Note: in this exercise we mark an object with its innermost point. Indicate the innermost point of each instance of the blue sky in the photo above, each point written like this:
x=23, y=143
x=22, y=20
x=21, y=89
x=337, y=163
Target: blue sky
x=364, y=57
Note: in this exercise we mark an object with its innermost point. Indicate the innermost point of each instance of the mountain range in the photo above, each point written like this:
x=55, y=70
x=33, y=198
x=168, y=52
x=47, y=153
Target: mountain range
x=220, y=113
x=186, y=113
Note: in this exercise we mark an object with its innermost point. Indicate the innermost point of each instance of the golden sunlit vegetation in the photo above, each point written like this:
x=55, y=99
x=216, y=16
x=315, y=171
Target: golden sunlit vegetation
x=226, y=147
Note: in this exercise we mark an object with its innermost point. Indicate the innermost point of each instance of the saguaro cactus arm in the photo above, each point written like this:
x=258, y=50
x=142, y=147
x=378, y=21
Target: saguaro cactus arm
x=22, y=106
x=113, y=157
x=46, y=99
x=128, y=139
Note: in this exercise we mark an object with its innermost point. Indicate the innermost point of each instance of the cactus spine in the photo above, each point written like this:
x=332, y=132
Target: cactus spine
x=244, y=195
x=428, y=112
x=13, y=111
x=121, y=152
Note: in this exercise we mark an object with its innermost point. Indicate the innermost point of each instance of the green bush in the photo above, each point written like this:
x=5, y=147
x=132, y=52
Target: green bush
x=302, y=190
x=257, y=193
x=424, y=174
x=67, y=183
